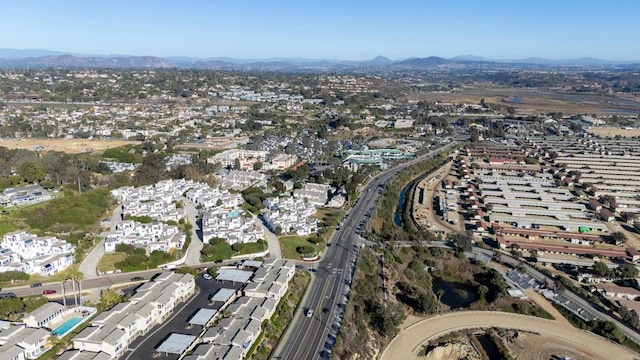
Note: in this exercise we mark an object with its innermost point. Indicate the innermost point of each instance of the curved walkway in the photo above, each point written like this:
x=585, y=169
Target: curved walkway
x=407, y=343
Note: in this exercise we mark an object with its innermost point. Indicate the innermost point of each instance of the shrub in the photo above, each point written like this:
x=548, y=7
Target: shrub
x=13, y=275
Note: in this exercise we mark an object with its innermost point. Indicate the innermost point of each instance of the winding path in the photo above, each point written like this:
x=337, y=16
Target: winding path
x=408, y=342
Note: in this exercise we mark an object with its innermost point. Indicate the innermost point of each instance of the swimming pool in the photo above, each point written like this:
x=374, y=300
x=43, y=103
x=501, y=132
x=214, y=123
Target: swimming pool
x=66, y=326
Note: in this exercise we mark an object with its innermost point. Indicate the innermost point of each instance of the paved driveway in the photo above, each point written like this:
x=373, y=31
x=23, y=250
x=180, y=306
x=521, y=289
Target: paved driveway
x=193, y=252
x=90, y=263
x=272, y=240
x=408, y=342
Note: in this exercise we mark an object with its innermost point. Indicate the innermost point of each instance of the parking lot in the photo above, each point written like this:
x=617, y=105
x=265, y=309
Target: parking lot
x=144, y=346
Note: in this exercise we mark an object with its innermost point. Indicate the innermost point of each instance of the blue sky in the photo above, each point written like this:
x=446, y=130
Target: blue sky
x=347, y=29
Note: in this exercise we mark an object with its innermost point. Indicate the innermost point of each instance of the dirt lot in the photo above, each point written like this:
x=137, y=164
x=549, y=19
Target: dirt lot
x=72, y=146
x=536, y=101
x=561, y=337
x=613, y=131
x=538, y=347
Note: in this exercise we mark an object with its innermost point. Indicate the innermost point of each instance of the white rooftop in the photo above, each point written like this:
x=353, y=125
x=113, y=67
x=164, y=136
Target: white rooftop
x=203, y=316
x=176, y=344
x=234, y=275
x=223, y=295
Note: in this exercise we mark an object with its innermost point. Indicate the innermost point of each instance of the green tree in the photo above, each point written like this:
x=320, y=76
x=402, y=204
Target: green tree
x=482, y=292
x=627, y=271
x=619, y=237
x=108, y=299
x=32, y=171
x=305, y=250
x=601, y=269
x=10, y=306
x=187, y=270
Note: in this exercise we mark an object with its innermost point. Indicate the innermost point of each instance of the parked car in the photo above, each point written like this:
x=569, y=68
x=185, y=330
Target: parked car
x=7, y=295
x=35, y=285
x=207, y=276
x=137, y=278
x=49, y=292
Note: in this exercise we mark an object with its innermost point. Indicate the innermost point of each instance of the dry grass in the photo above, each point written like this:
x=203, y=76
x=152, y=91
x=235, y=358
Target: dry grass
x=108, y=261
x=533, y=101
x=72, y=146
x=613, y=131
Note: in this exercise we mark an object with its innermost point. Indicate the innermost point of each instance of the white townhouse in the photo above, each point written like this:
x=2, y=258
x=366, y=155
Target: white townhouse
x=271, y=279
x=291, y=215
x=241, y=179
x=153, y=236
x=21, y=251
x=231, y=225
x=46, y=314
x=232, y=337
x=157, y=201
x=22, y=342
x=316, y=194
x=208, y=197
x=112, y=331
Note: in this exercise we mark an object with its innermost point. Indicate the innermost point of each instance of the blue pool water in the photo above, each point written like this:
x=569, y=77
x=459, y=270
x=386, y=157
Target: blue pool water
x=234, y=214
x=66, y=326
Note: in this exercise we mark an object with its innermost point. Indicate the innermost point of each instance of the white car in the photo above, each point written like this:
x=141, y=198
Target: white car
x=309, y=313
x=207, y=276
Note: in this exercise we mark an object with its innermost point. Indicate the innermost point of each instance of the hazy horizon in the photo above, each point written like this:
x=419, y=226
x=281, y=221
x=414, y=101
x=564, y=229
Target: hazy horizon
x=356, y=30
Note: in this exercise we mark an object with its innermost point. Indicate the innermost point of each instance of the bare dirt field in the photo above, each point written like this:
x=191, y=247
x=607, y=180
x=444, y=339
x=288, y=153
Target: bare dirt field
x=613, y=131
x=537, y=347
x=72, y=146
x=537, y=101
x=408, y=342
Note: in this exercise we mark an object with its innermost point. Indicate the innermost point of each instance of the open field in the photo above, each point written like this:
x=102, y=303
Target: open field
x=536, y=101
x=108, y=261
x=291, y=242
x=72, y=146
x=613, y=131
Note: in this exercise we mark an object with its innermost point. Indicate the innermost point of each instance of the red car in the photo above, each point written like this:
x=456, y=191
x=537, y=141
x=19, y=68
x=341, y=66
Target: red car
x=48, y=292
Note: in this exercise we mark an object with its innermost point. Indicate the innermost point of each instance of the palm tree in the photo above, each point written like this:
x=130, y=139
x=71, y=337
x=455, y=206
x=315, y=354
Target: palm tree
x=72, y=273
x=439, y=292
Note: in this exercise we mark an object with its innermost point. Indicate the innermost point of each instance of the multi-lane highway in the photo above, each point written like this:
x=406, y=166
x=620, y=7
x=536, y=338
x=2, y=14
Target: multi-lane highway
x=307, y=337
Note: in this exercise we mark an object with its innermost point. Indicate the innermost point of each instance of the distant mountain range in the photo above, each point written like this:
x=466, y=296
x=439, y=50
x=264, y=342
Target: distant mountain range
x=41, y=58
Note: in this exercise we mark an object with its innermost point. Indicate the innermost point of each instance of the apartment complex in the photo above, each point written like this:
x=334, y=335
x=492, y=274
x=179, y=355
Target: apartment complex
x=47, y=255
x=157, y=201
x=112, y=331
x=232, y=337
x=21, y=342
x=153, y=236
x=290, y=215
